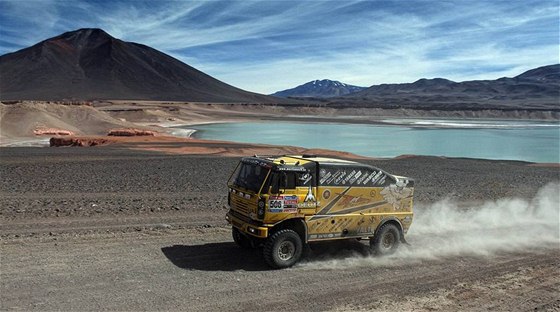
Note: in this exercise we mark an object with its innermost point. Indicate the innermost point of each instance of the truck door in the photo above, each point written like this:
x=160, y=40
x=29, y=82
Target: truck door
x=296, y=187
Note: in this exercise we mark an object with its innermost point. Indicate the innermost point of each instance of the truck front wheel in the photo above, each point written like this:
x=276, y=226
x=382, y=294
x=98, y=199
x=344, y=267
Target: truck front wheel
x=386, y=241
x=240, y=239
x=283, y=249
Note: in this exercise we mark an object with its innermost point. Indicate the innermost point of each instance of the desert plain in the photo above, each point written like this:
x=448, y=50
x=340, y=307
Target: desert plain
x=137, y=222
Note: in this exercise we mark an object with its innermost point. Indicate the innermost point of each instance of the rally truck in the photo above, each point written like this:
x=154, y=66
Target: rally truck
x=284, y=202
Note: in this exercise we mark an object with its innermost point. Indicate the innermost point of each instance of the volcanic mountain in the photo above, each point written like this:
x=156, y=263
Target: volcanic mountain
x=319, y=88
x=90, y=64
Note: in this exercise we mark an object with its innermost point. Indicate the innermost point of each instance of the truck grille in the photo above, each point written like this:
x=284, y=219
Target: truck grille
x=240, y=204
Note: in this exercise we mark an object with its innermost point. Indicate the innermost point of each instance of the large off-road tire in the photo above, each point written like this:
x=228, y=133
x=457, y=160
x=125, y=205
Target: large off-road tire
x=283, y=249
x=386, y=241
x=240, y=239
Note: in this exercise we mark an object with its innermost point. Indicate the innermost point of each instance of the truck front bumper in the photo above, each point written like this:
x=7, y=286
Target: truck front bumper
x=246, y=226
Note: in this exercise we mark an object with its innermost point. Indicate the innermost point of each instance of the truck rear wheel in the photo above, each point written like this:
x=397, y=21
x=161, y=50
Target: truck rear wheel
x=283, y=249
x=386, y=241
x=240, y=239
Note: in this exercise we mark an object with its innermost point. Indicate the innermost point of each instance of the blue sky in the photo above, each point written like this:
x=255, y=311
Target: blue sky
x=266, y=46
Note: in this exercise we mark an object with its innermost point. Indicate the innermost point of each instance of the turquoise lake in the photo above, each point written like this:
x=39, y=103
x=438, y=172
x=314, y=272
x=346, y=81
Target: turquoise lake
x=489, y=139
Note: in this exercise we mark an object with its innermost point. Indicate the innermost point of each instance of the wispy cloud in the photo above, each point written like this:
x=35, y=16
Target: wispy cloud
x=266, y=46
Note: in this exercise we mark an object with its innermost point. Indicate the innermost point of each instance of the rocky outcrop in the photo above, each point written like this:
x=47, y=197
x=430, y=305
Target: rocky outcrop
x=130, y=132
x=57, y=141
x=52, y=131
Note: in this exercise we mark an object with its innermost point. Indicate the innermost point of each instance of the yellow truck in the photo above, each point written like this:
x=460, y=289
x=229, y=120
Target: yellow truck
x=284, y=202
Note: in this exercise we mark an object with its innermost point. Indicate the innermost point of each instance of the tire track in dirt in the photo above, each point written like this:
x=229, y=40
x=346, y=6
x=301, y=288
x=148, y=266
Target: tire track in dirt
x=153, y=270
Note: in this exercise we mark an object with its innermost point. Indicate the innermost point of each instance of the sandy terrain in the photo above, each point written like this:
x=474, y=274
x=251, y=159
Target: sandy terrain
x=21, y=122
x=109, y=228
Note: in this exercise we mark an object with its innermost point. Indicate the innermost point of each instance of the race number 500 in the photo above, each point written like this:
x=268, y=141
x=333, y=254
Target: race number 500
x=276, y=205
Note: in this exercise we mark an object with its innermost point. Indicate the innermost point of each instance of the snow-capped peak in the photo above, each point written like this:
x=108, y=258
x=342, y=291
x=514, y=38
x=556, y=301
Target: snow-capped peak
x=320, y=88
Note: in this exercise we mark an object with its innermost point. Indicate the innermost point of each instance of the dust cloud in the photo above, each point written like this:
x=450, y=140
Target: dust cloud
x=448, y=229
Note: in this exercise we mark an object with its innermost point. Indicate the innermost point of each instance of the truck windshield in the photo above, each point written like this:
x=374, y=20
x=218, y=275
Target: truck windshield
x=249, y=176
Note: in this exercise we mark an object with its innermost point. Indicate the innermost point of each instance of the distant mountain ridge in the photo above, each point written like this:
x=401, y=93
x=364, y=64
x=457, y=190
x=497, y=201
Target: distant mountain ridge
x=319, y=88
x=537, y=89
x=90, y=64
x=550, y=73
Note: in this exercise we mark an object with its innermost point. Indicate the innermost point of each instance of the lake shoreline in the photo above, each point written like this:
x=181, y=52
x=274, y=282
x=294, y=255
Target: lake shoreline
x=480, y=139
x=18, y=121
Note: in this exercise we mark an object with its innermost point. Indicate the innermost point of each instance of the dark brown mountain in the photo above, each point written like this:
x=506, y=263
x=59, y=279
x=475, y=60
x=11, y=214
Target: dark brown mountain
x=90, y=64
x=536, y=89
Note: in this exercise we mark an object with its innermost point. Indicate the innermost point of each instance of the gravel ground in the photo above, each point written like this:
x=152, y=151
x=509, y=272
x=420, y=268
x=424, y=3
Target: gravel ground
x=80, y=182
x=112, y=229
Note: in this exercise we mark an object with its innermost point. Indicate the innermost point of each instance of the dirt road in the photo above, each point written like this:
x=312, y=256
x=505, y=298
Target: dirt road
x=108, y=229
x=202, y=270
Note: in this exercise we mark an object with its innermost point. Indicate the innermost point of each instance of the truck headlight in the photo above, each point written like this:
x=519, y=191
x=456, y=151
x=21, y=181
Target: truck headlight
x=260, y=209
